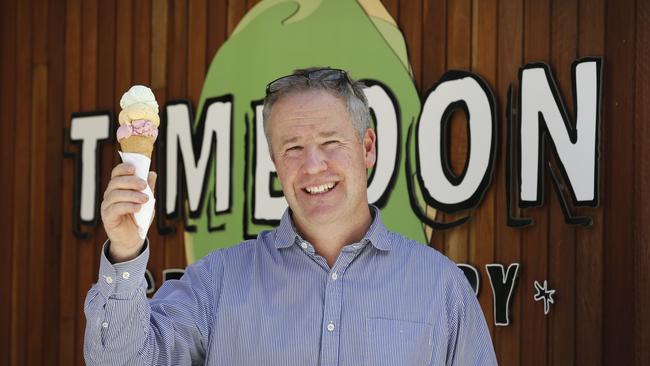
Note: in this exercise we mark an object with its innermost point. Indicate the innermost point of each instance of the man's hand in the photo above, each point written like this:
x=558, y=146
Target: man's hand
x=122, y=199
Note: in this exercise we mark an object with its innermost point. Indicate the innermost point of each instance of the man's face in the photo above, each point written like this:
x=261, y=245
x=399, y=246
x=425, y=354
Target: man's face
x=319, y=158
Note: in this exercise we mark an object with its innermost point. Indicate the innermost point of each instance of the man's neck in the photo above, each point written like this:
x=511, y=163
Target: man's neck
x=328, y=240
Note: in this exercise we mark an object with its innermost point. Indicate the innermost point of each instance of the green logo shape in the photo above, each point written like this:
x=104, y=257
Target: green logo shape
x=273, y=39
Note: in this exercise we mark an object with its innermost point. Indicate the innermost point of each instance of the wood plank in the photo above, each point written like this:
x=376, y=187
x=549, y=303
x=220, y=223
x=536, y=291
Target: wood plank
x=537, y=44
x=482, y=227
x=619, y=201
x=177, y=88
x=641, y=184
x=217, y=27
x=53, y=172
x=589, y=248
x=459, y=55
x=68, y=306
x=21, y=173
x=7, y=165
x=562, y=237
x=159, y=36
x=507, y=339
x=39, y=258
x=142, y=40
x=410, y=23
x=159, y=33
x=236, y=10
x=87, y=250
x=434, y=59
x=197, y=35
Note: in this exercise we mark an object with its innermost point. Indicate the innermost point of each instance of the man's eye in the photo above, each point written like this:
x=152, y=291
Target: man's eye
x=294, y=148
x=331, y=142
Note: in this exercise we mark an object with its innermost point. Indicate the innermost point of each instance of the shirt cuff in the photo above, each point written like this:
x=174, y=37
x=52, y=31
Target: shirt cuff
x=125, y=277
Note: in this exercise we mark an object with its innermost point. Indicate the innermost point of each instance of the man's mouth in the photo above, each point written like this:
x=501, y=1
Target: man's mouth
x=320, y=189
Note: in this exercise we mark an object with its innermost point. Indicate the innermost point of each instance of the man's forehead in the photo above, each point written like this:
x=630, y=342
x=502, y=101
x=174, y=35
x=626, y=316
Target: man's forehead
x=295, y=136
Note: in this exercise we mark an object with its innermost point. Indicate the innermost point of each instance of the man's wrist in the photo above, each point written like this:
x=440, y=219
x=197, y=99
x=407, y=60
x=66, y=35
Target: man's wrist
x=123, y=255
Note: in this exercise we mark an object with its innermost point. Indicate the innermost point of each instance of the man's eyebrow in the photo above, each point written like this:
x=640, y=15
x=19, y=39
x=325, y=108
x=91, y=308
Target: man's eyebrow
x=289, y=140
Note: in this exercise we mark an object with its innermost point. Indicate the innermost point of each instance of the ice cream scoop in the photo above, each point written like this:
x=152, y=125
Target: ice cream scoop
x=138, y=120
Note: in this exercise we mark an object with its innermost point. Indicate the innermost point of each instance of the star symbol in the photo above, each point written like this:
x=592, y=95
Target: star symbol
x=543, y=293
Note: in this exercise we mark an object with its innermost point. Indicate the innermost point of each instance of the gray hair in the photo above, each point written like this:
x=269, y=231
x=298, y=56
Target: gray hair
x=351, y=93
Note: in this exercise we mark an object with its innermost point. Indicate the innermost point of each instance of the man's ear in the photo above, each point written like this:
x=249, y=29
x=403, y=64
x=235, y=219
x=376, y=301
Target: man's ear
x=370, y=148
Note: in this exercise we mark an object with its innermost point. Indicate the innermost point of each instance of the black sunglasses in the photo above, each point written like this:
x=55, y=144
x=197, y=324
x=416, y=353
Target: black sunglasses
x=325, y=74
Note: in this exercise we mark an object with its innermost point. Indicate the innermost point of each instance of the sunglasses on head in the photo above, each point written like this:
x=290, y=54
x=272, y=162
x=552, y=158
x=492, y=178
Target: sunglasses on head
x=324, y=74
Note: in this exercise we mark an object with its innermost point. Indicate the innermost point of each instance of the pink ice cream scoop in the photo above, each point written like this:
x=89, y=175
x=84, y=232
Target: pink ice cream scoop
x=138, y=127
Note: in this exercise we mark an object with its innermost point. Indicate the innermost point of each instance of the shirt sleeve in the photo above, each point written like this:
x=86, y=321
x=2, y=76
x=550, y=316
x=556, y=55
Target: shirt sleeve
x=470, y=342
x=123, y=327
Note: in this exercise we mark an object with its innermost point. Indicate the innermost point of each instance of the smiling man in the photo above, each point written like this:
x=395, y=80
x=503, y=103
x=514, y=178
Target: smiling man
x=330, y=286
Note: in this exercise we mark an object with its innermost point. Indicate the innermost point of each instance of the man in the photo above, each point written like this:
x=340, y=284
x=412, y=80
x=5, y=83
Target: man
x=330, y=286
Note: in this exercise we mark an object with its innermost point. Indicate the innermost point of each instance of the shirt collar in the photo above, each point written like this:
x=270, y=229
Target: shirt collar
x=377, y=234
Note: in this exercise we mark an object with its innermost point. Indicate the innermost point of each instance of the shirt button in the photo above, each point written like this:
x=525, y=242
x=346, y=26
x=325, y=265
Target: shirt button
x=109, y=279
x=330, y=327
x=105, y=325
x=126, y=275
x=303, y=245
x=334, y=276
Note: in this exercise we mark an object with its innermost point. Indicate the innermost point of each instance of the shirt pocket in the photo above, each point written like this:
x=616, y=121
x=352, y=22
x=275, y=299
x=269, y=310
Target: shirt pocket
x=397, y=342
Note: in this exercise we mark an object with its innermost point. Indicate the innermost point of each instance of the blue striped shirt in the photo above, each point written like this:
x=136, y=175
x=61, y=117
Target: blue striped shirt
x=273, y=301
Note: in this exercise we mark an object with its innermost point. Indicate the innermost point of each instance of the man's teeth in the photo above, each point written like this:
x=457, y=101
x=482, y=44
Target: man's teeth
x=320, y=189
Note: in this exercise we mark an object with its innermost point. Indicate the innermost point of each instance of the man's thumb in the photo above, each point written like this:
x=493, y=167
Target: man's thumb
x=151, y=179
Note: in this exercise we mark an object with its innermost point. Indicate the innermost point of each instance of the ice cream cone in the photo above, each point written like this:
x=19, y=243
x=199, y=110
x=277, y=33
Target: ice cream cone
x=138, y=144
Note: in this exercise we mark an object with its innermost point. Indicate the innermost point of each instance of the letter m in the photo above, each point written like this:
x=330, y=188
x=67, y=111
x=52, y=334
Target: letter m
x=196, y=150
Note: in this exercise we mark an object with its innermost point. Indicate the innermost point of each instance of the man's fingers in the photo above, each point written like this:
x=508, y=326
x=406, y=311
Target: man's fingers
x=122, y=169
x=125, y=182
x=152, y=180
x=123, y=208
x=125, y=195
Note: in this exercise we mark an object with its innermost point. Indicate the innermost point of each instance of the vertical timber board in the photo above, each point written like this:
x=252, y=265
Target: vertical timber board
x=482, y=229
x=236, y=10
x=68, y=306
x=562, y=260
x=459, y=55
x=409, y=21
x=618, y=198
x=38, y=260
x=535, y=238
x=7, y=128
x=196, y=43
x=434, y=65
x=589, y=243
x=21, y=206
x=216, y=28
x=53, y=172
x=158, y=66
x=641, y=184
x=508, y=240
x=87, y=250
x=177, y=88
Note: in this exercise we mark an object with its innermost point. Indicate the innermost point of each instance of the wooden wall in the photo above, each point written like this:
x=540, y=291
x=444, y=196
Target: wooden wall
x=65, y=56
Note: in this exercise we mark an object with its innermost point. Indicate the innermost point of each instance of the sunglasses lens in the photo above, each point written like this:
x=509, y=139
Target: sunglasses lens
x=322, y=75
x=326, y=75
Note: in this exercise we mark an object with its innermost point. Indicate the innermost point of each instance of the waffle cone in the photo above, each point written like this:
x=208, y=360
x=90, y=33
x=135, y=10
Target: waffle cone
x=138, y=144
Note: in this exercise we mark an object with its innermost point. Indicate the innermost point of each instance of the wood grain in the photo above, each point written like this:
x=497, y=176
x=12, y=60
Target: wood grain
x=508, y=240
x=65, y=56
x=482, y=228
x=642, y=180
x=619, y=200
x=7, y=163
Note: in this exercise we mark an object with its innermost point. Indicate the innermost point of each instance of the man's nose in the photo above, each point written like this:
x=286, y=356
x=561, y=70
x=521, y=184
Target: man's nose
x=315, y=160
